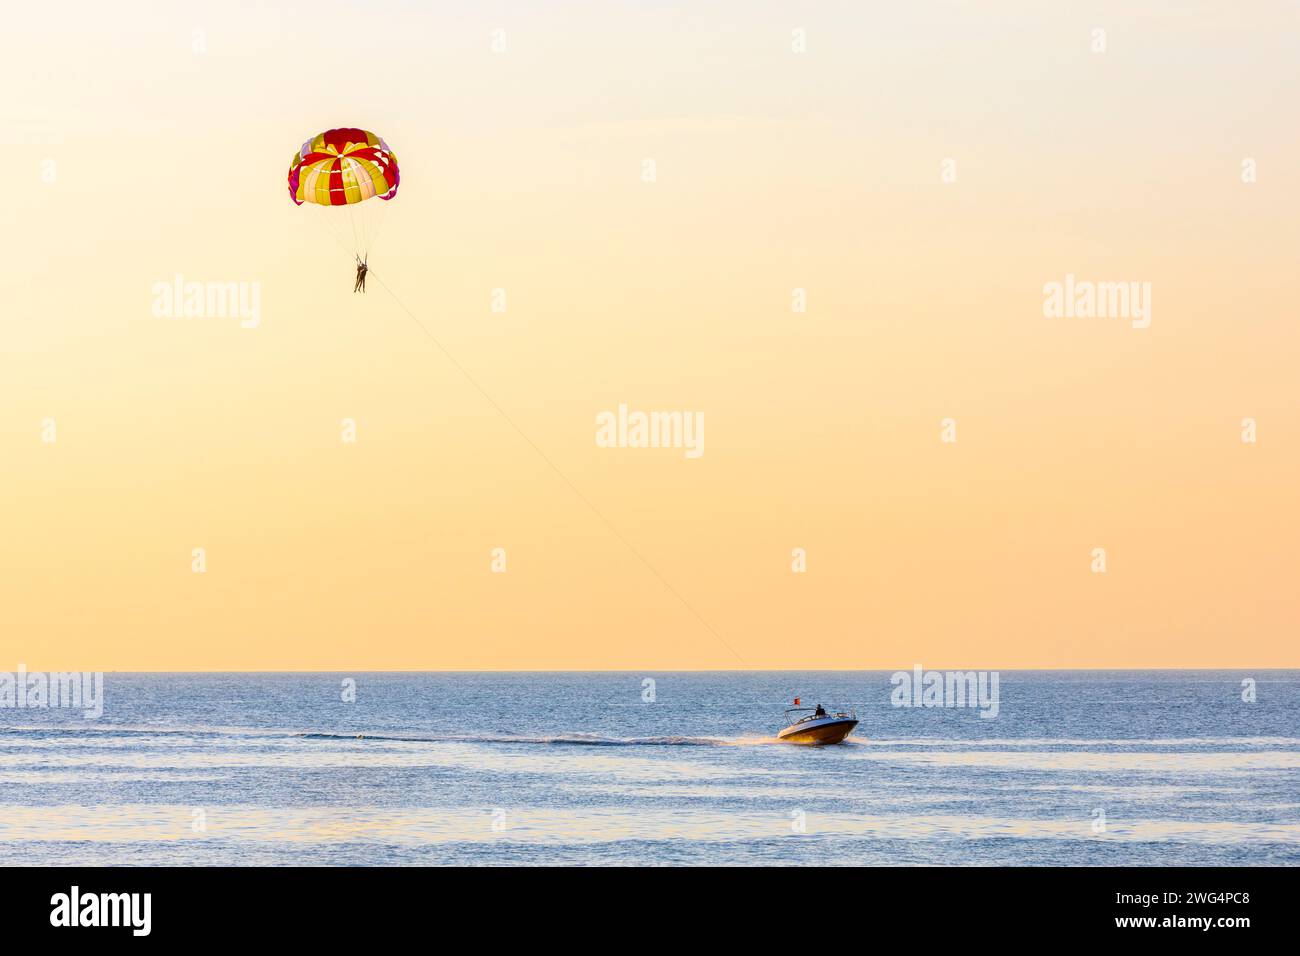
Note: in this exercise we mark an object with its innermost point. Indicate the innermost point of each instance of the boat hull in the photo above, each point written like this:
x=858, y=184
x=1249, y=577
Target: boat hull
x=825, y=730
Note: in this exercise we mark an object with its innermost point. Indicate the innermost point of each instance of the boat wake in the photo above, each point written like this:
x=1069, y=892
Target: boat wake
x=576, y=740
x=138, y=732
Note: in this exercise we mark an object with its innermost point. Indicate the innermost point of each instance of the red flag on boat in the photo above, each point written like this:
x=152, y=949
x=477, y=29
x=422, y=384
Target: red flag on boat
x=796, y=701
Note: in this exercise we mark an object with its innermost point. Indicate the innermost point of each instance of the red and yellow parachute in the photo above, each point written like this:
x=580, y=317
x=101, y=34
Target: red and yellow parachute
x=345, y=167
x=340, y=167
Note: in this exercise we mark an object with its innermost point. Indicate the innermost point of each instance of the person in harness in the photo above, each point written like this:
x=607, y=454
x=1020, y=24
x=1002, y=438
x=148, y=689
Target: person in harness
x=360, y=285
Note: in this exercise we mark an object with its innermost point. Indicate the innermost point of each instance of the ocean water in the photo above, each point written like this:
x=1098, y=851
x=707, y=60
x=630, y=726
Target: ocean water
x=1078, y=768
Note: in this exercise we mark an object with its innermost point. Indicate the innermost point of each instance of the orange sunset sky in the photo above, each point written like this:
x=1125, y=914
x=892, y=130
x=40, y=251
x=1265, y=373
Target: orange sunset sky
x=142, y=148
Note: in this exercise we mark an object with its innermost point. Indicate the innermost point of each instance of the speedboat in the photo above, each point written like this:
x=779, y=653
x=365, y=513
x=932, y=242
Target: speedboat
x=817, y=726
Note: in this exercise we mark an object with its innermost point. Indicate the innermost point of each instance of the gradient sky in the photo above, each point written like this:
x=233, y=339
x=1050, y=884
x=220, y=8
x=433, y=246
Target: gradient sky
x=132, y=157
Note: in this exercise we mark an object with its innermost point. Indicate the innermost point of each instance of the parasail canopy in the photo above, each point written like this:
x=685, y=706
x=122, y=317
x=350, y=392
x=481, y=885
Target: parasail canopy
x=342, y=167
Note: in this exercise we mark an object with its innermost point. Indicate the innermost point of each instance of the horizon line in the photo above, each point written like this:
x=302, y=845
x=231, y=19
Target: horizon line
x=674, y=670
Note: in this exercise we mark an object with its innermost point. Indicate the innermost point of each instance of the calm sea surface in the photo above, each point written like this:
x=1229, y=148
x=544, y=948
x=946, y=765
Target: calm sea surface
x=1085, y=768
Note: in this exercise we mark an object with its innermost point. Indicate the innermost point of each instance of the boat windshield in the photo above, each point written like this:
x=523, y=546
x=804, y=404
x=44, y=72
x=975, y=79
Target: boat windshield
x=811, y=714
